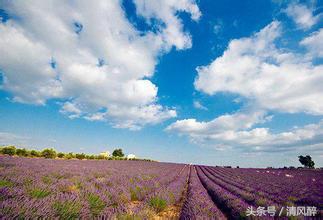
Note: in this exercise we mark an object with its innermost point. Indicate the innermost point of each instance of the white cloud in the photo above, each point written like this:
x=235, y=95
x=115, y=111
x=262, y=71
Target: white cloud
x=198, y=105
x=302, y=15
x=102, y=72
x=314, y=43
x=237, y=131
x=164, y=10
x=269, y=77
x=234, y=122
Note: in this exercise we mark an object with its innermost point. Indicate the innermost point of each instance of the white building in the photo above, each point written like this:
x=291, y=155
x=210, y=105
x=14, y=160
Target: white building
x=105, y=154
x=131, y=156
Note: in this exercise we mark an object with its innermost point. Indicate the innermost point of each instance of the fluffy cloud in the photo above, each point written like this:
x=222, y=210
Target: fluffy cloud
x=90, y=57
x=302, y=15
x=172, y=34
x=270, y=77
x=314, y=43
x=238, y=131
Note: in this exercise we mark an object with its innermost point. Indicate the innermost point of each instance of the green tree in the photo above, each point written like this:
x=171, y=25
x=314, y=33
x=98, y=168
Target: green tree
x=60, y=155
x=10, y=150
x=69, y=155
x=118, y=153
x=80, y=156
x=48, y=153
x=22, y=152
x=306, y=161
x=34, y=153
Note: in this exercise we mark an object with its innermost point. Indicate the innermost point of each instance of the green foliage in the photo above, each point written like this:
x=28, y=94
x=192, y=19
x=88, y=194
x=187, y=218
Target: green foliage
x=10, y=150
x=60, y=155
x=5, y=183
x=67, y=209
x=69, y=155
x=48, y=153
x=51, y=153
x=34, y=153
x=306, y=161
x=158, y=204
x=39, y=193
x=96, y=204
x=135, y=193
x=90, y=157
x=118, y=153
x=80, y=156
x=22, y=152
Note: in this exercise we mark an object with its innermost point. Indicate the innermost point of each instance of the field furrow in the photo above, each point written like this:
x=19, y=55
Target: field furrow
x=198, y=204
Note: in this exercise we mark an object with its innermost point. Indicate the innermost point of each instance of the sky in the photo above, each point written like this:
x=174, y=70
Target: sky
x=235, y=83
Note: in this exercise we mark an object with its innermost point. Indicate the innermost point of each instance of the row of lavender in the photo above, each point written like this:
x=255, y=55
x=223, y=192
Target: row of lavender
x=234, y=191
x=31, y=188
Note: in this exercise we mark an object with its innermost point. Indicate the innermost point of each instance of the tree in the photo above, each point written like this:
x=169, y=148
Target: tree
x=48, y=153
x=22, y=152
x=306, y=161
x=80, y=156
x=34, y=153
x=69, y=155
x=60, y=155
x=118, y=153
x=10, y=150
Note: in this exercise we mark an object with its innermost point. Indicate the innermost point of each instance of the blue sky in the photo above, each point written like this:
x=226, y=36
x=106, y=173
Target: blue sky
x=205, y=82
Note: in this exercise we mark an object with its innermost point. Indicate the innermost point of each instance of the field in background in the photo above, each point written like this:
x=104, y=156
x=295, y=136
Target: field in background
x=37, y=187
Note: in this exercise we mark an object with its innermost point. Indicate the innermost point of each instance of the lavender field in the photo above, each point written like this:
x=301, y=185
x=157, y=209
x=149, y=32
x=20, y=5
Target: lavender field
x=70, y=189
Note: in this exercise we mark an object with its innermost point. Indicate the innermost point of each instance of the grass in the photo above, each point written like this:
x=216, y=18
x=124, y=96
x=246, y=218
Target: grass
x=96, y=204
x=135, y=193
x=5, y=183
x=47, y=179
x=39, y=193
x=158, y=204
x=67, y=209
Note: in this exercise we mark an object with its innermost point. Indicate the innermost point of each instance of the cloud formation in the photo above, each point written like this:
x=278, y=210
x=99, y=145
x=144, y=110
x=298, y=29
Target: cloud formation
x=271, y=79
x=314, y=43
x=237, y=131
x=90, y=57
x=302, y=15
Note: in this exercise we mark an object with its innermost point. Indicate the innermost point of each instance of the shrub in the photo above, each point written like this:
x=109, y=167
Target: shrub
x=158, y=204
x=67, y=209
x=48, y=153
x=10, y=150
x=69, y=156
x=22, y=152
x=118, y=153
x=80, y=156
x=90, y=157
x=96, y=204
x=60, y=155
x=34, y=153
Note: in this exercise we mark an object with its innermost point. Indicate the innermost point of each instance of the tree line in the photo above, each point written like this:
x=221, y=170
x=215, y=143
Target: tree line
x=51, y=153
